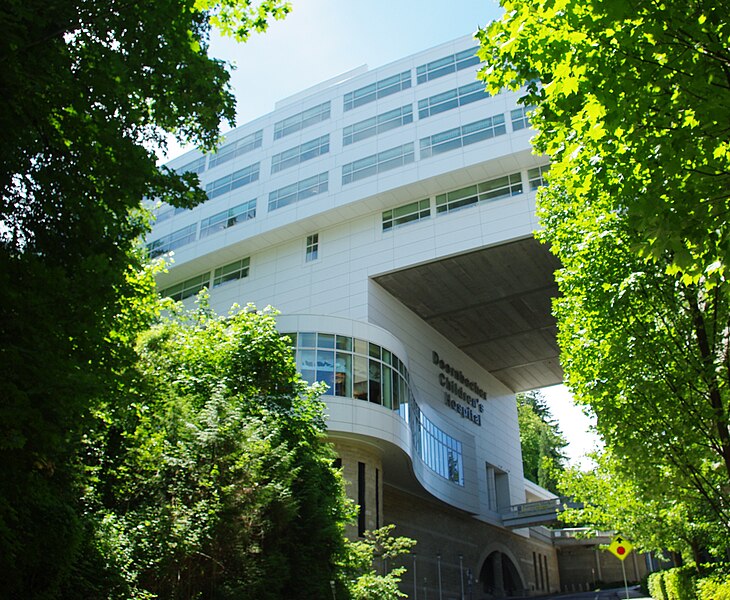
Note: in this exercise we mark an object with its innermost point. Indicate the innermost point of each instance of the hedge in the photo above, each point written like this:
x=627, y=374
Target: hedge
x=683, y=583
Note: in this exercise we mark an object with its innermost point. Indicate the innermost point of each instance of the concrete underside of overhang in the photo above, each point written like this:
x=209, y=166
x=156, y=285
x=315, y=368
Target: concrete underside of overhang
x=494, y=304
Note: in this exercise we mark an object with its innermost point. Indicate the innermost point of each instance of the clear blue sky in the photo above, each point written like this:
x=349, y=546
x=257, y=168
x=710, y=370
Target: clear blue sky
x=321, y=39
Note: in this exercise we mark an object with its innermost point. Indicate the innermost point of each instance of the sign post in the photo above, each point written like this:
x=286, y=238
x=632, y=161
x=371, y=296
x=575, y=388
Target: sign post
x=620, y=547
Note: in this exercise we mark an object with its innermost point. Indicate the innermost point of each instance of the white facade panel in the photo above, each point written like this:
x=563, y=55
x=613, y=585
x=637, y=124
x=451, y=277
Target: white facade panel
x=335, y=294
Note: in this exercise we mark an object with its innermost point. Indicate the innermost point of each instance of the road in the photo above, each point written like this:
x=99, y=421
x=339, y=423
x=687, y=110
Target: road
x=612, y=594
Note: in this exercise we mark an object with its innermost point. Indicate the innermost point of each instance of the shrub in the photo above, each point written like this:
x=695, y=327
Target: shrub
x=679, y=583
x=714, y=588
x=656, y=586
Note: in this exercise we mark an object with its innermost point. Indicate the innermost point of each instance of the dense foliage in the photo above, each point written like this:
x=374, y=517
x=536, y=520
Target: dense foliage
x=629, y=101
x=372, y=565
x=541, y=440
x=212, y=478
x=89, y=89
x=687, y=584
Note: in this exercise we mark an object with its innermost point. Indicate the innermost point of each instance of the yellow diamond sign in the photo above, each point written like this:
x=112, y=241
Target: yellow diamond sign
x=620, y=547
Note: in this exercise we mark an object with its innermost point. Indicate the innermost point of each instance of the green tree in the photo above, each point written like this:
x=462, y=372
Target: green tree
x=541, y=440
x=214, y=480
x=649, y=510
x=89, y=89
x=627, y=101
x=377, y=548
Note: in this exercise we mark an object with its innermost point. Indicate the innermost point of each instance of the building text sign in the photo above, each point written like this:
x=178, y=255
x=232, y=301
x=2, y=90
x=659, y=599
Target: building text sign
x=460, y=393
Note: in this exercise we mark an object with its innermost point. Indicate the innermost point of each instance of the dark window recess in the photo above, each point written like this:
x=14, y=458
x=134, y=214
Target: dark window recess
x=361, y=498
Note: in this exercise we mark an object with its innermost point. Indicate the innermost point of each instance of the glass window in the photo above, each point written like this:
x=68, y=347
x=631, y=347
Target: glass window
x=379, y=89
x=187, y=288
x=326, y=367
x=343, y=375
x=165, y=211
x=308, y=340
x=195, y=166
x=344, y=342
x=228, y=218
x=448, y=64
x=462, y=136
x=374, y=385
x=438, y=450
x=312, y=251
x=308, y=365
x=378, y=124
x=500, y=187
x=173, y=241
x=360, y=377
x=300, y=154
x=352, y=368
x=378, y=163
x=234, y=180
x=451, y=99
x=237, y=148
x=298, y=191
x=387, y=387
x=536, y=176
x=231, y=272
x=302, y=120
x=520, y=117
x=408, y=213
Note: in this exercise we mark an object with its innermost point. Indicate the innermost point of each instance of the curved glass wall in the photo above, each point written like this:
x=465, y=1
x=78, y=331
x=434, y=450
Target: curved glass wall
x=441, y=452
x=355, y=368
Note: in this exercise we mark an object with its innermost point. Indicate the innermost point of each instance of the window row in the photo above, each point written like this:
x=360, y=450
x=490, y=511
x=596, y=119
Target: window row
x=233, y=181
x=218, y=222
x=173, y=241
x=352, y=368
x=358, y=369
x=299, y=154
x=301, y=120
x=358, y=97
x=228, y=218
x=441, y=452
x=494, y=189
x=378, y=124
x=451, y=99
x=427, y=107
x=500, y=187
x=299, y=191
x=377, y=90
x=464, y=135
x=447, y=64
x=230, y=272
x=237, y=148
x=378, y=163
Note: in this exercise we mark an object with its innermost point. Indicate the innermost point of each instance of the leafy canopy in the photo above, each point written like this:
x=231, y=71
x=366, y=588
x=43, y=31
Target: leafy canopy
x=89, y=90
x=541, y=441
x=215, y=473
x=629, y=102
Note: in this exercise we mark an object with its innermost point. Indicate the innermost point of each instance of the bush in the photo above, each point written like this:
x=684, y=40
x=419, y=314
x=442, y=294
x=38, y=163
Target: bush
x=679, y=583
x=673, y=584
x=714, y=588
x=656, y=586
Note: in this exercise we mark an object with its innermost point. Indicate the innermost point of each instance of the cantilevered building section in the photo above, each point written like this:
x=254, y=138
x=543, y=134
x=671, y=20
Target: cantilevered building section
x=389, y=215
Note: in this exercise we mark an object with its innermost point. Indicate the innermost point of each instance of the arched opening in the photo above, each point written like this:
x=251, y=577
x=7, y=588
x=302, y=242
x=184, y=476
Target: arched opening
x=500, y=577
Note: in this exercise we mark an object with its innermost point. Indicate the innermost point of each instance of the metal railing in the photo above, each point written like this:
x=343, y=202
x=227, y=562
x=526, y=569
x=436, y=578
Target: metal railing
x=537, y=513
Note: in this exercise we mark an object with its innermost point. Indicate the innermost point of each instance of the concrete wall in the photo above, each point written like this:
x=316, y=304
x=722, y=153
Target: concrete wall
x=584, y=565
x=439, y=529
